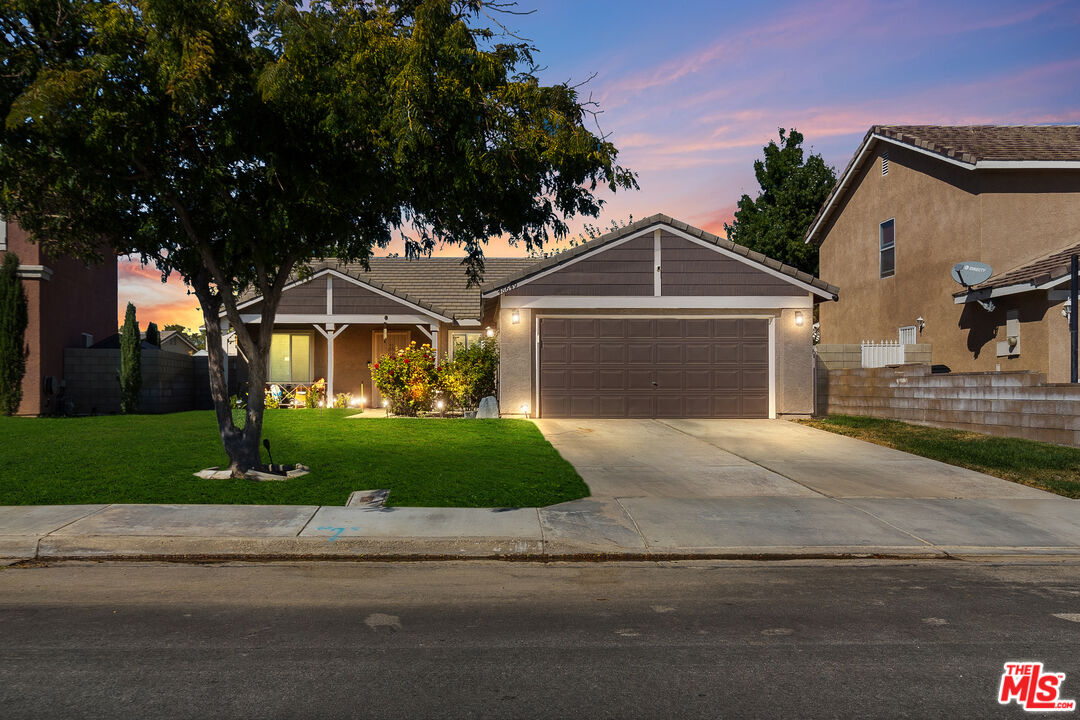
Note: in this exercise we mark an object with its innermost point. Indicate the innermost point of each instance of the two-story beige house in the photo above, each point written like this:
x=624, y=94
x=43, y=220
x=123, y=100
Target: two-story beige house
x=914, y=201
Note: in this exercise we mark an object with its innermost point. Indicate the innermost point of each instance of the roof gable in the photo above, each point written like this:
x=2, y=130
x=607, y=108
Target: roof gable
x=973, y=147
x=645, y=228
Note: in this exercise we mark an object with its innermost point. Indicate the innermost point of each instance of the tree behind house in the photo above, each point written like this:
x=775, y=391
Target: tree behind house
x=13, y=321
x=792, y=192
x=152, y=335
x=130, y=362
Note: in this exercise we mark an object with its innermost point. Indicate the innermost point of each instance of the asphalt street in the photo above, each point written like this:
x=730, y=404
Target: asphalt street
x=518, y=640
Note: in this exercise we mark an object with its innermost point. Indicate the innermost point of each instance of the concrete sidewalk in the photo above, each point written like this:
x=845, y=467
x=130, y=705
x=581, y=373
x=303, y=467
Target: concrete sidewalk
x=603, y=528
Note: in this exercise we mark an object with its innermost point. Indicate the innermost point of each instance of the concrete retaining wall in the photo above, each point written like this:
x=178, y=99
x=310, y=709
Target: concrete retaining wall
x=171, y=382
x=1014, y=404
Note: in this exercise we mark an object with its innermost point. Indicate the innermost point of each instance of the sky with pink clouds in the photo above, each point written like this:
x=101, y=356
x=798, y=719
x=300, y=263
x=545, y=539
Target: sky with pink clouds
x=692, y=89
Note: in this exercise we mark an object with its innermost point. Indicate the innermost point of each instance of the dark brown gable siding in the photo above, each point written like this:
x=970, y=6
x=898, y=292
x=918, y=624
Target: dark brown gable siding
x=623, y=270
x=688, y=269
x=352, y=299
x=306, y=299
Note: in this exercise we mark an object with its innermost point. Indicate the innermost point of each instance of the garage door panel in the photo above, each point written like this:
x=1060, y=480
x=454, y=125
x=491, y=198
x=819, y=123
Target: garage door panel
x=584, y=353
x=611, y=380
x=640, y=328
x=640, y=353
x=612, y=329
x=668, y=353
x=754, y=379
x=554, y=353
x=583, y=328
x=612, y=354
x=657, y=367
x=697, y=353
x=754, y=353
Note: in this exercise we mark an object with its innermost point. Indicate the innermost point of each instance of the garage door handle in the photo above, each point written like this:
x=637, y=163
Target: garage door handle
x=654, y=383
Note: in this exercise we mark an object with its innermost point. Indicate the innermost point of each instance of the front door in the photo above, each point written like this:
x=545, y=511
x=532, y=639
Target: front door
x=395, y=340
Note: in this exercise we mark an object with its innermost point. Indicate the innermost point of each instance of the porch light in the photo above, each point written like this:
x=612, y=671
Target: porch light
x=798, y=318
x=515, y=317
x=489, y=332
x=920, y=323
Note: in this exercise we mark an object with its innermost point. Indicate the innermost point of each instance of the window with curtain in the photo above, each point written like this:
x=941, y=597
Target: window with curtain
x=290, y=358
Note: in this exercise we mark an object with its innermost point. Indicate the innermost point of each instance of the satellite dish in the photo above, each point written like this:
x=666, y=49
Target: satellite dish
x=970, y=273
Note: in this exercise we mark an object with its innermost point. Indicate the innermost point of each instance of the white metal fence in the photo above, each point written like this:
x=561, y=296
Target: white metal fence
x=880, y=354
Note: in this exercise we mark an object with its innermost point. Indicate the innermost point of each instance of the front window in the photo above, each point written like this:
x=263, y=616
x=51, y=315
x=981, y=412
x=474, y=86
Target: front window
x=460, y=341
x=290, y=358
x=887, y=243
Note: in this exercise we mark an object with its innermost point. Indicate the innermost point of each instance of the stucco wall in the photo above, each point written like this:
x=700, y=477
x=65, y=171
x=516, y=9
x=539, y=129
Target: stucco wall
x=76, y=299
x=945, y=214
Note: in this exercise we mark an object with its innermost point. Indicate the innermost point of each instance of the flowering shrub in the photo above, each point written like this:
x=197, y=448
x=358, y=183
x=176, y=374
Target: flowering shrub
x=408, y=379
x=342, y=400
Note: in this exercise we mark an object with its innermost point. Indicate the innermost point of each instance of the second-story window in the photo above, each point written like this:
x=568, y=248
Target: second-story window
x=887, y=243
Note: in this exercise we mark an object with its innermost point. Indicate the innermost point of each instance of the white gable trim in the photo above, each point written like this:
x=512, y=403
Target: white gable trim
x=563, y=265
x=329, y=294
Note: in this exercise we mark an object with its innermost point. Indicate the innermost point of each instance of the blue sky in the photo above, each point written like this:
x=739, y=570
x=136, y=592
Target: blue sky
x=691, y=90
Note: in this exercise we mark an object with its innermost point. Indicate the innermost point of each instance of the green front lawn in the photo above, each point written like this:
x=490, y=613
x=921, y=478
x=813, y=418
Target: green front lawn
x=151, y=458
x=1042, y=465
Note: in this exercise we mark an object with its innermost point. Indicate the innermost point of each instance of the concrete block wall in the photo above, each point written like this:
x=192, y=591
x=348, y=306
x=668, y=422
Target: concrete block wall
x=1010, y=404
x=835, y=356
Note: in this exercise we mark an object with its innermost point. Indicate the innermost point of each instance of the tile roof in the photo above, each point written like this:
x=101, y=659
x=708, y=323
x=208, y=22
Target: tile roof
x=976, y=143
x=438, y=283
x=542, y=265
x=968, y=144
x=1040, y=271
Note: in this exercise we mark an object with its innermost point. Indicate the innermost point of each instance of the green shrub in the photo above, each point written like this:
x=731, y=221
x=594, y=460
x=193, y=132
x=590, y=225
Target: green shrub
x=408, y=379
x=130, y=362
x=13, y=321
x=470, y=376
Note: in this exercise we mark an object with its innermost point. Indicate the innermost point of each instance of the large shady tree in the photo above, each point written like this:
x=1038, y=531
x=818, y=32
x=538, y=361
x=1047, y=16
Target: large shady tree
x=232, y=141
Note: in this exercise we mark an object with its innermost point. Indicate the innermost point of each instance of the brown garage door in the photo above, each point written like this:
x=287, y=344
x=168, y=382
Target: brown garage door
x=596, y=368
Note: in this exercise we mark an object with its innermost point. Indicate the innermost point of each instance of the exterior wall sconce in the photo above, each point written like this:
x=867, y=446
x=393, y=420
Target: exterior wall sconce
x=489, y=332
x=798, y=318
x=1066, y=310
x=920, y=323
x=515, y=317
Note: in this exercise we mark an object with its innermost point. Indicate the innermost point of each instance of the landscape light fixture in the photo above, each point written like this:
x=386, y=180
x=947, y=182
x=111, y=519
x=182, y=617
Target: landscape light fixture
x=386, y=407
x=515, y=317
x=525, y=410
x=798, y=318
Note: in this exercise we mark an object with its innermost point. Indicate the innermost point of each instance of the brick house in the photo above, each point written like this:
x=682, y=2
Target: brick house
x=914, y=201
x=69, y=305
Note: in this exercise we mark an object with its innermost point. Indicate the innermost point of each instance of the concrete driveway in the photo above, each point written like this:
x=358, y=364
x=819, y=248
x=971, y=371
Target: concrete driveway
x=755, y=458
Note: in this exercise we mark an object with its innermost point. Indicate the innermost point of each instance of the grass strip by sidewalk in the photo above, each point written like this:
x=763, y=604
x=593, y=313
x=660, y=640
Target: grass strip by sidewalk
x=151, y=458
x=1041, y=465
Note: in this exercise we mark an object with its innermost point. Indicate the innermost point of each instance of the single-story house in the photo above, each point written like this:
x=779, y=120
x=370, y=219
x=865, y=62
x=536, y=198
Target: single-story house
x=914, y=201
x=656, y=319
x=176, y=342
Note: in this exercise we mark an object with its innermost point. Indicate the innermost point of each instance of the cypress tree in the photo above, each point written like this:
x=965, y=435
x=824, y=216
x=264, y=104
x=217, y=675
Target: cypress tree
x=130, y=362
x=152, y=335
x=13, y=322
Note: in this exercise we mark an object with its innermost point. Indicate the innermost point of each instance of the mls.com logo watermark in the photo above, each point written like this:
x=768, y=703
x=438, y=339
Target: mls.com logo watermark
x=1032, y=689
